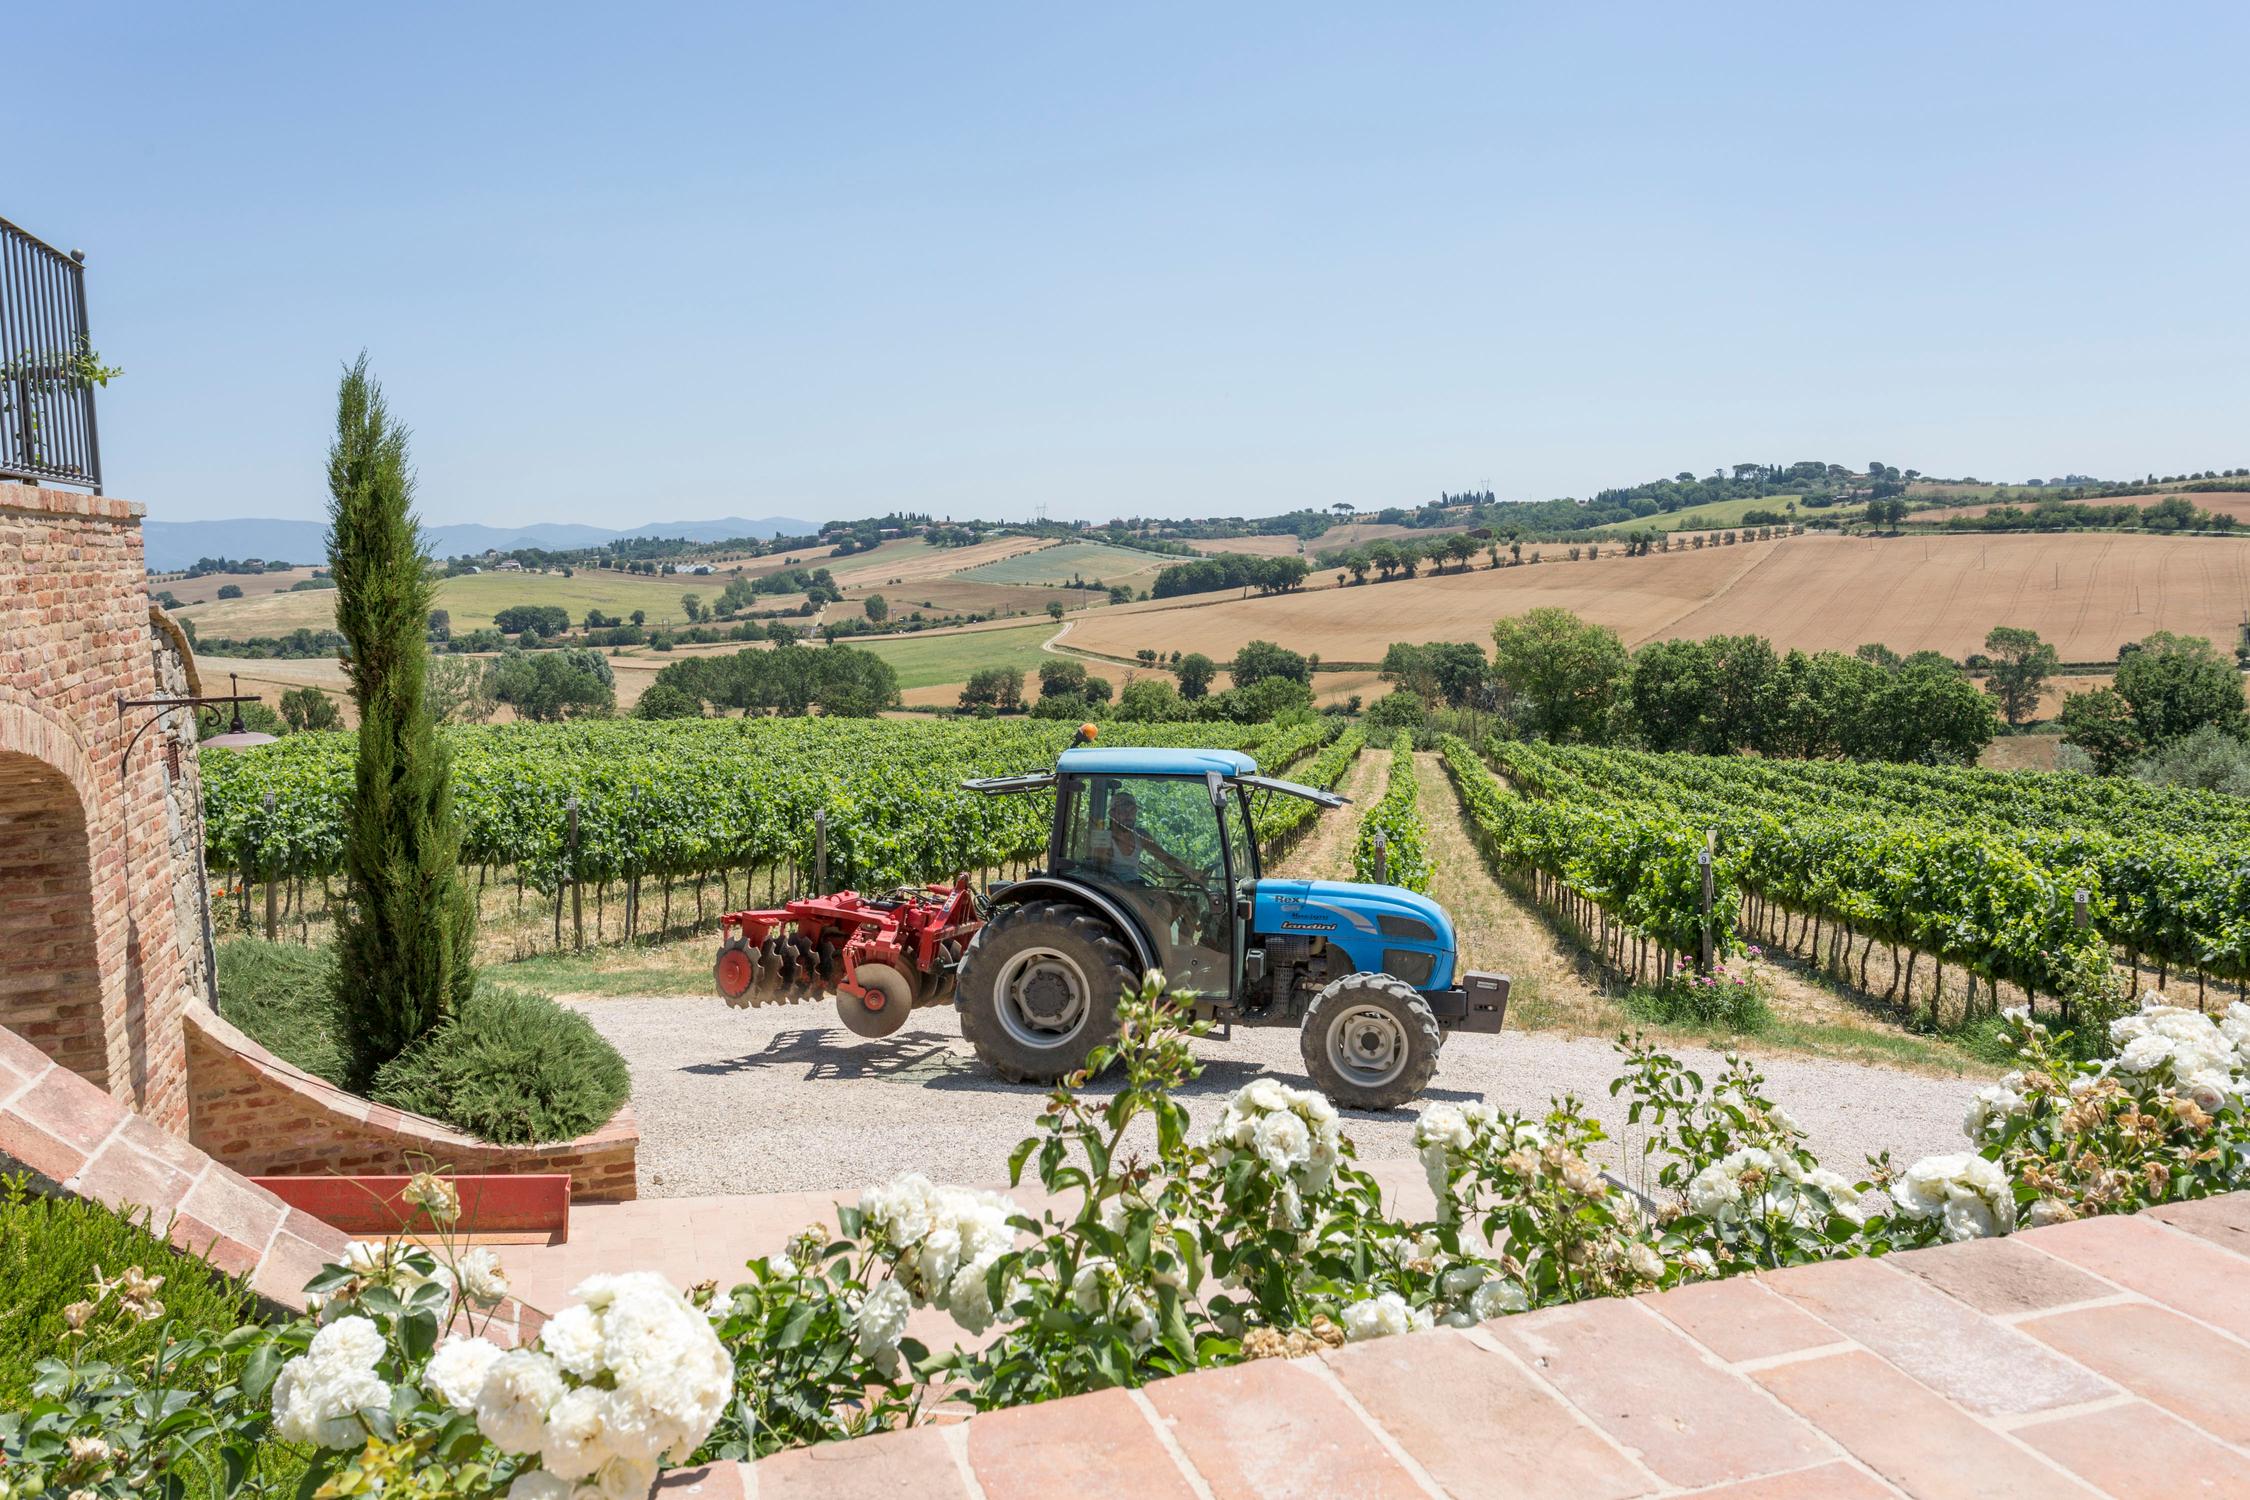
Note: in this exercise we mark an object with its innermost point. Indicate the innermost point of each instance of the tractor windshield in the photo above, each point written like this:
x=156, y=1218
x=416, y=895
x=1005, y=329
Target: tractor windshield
x=1157, y=844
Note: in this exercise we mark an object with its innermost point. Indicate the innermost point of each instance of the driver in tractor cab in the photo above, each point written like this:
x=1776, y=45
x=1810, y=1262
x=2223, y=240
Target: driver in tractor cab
x=1131, y=849
x=1132, y=852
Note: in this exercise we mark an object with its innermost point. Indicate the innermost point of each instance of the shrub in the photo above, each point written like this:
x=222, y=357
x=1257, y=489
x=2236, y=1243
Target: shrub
x=1402, y=708
x=284, y=996
x=49, y=1251
x=2211, y=759
x=509, y=1067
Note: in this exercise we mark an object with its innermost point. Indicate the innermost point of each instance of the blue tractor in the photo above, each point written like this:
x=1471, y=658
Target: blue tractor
x=1152, y=863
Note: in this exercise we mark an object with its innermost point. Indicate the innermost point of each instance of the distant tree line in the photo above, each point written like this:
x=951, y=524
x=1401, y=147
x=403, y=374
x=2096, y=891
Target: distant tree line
x=1554, y=676
x=2171, y=513
x=1269, y=682
x=1231, y=570
x=792, y=680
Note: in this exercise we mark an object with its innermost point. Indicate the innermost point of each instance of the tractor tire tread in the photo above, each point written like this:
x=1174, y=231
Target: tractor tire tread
x=1422, y=1059
x=981, y=1028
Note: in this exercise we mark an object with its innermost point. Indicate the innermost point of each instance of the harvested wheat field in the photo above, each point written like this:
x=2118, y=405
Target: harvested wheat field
x=1640, y=596
x=2086, y=593
x=2235, y=503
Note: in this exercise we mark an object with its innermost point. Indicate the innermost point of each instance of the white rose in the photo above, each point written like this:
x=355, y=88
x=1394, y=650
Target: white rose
x=573, y=1338
x=625, y=1479
x=325, y=1402
x=1381, y=1316
x=538, y=1485
x=881, y=1320
x=969, y=1300
x=352, y=1341
x=1843, y=1195
x=1990, y=1108
x=1443, y=1125
x=1713, y=1193
x=456, y=1371
x=573, y=1445
x=1968, y=1195
x=1139, y=1318
x=2210, y=1088
x=481, y=1278
x=1497, y=1297
x=1460, y=1280
x=1262, y=1094
x=519, y=1390
x=2144, y=1054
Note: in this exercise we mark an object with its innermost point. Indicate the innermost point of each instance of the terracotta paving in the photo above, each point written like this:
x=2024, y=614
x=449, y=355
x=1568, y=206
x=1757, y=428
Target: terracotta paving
x=2104, y=1358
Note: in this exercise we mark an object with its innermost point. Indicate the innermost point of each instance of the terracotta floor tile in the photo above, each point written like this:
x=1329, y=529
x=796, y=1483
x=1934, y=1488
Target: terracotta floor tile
x=1648, y=1386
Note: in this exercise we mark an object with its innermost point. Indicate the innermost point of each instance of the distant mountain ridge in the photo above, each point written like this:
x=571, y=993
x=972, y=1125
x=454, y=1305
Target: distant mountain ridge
x=175, y=544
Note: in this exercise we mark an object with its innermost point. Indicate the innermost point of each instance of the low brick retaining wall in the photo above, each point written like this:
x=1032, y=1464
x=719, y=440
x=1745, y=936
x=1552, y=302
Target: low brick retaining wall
x=265, y=1118
x=2105, y=1357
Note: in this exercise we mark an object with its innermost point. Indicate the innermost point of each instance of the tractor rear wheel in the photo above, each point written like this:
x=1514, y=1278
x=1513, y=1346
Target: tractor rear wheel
x=1039, y=989
x=1370, y=1042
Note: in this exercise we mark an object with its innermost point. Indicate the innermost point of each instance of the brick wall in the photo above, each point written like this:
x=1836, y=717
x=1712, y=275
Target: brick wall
x=90, y=960
x=176, y=677
x=265, y=1118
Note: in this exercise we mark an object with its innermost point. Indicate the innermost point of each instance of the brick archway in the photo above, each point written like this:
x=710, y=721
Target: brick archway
x=95, y=847
x=50, y=958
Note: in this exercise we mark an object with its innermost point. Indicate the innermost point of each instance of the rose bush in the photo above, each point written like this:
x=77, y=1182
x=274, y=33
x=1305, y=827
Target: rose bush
x=1158, y=1250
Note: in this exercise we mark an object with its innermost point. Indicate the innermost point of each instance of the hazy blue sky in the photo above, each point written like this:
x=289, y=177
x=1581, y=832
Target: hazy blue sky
x=621, y=263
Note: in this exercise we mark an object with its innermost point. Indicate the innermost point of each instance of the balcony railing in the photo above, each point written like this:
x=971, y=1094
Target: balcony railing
x=47, y=367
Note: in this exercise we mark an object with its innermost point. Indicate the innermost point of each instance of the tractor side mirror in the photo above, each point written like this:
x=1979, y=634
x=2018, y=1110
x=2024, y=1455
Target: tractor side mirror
x=1217, y=784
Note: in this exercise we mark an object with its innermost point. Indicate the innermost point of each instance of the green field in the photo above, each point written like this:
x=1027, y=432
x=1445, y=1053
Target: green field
x=1087, y=560
x=472, y=600
x=1720, y=514
x=931, y=660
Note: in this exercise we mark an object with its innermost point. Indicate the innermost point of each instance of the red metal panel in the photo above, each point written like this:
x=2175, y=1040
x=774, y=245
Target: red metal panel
x=529, y=1202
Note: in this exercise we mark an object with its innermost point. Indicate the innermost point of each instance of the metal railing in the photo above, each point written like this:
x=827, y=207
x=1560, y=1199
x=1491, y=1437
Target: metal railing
x=47, y=370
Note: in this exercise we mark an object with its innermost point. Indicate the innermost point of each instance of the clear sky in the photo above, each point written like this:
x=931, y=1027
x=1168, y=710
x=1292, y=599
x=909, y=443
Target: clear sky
x=623, y=263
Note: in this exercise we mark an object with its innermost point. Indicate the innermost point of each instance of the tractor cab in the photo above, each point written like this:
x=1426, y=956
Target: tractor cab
x=1152, y=862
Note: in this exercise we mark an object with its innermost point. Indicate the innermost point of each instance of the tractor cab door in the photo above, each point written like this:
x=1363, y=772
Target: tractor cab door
x=1157, y=845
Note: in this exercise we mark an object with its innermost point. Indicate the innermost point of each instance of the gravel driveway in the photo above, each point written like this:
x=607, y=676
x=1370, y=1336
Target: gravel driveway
x=783, y=1099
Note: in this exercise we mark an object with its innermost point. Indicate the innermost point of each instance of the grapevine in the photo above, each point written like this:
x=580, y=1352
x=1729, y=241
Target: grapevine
x=1398, y=817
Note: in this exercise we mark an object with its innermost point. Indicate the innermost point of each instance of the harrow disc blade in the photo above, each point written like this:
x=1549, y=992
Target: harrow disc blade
x=885, y=1007
x=735, y=975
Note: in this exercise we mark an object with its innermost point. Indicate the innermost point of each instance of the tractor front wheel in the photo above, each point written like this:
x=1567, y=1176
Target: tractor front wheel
x=1370, y=1042
x=1039, y=989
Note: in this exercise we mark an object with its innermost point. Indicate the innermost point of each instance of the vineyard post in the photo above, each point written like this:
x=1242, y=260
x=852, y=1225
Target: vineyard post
x=1703, y=861
x=1380, y=842
x=271, y=915
x=577, y=912
x=2081, y=918
x=820, y=851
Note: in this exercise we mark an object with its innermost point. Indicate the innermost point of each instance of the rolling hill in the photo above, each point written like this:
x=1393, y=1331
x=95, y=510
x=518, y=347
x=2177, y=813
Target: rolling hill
x=171, y=545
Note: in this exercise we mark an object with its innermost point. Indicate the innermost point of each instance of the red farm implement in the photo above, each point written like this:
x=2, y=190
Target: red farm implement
x=881, y=956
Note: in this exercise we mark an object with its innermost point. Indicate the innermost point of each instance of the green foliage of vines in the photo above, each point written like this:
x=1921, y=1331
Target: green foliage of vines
x=1398, y=817
x=685, y=798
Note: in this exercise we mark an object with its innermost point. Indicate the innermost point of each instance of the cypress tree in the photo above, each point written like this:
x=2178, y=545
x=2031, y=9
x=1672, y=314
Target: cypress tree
x=406, y=940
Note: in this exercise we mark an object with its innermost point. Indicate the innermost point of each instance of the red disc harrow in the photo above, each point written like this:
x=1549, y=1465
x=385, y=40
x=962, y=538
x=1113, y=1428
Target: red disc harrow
x=880, y=956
